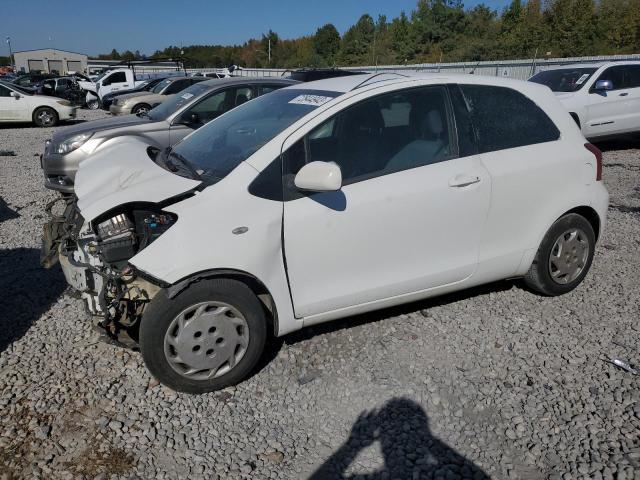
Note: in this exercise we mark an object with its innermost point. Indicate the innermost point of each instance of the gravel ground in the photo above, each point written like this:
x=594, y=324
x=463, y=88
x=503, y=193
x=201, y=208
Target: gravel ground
x=495, y=381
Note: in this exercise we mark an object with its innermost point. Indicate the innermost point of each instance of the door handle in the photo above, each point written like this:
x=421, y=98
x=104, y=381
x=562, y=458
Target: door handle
x=463, y=180
x=624, y=94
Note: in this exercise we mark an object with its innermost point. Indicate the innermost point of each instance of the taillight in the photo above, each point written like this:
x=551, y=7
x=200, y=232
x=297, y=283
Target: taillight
x=598, y=154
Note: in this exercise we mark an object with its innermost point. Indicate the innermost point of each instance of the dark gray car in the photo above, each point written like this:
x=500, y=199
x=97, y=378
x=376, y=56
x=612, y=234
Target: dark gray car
x=165, y=125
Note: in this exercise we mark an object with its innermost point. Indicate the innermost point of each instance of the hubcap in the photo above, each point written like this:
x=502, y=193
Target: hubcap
x=142, y=110
x=45, y=117
x=206, y=340
x=568, y=256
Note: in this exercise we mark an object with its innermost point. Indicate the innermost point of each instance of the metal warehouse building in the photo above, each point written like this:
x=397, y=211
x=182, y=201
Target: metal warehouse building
x=50, y=60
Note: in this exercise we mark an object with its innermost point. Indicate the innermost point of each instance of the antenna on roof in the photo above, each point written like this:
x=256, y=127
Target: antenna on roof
x=474, y=68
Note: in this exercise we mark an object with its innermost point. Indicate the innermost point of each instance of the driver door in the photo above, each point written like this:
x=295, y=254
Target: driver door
x=617, y=110
x=9, y=106
x=114, y=82
x=408, y=217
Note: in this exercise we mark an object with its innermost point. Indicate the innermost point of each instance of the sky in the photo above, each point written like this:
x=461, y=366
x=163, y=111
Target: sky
x=145, y=25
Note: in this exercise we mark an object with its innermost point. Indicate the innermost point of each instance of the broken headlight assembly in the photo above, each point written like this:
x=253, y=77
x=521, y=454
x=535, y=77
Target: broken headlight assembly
x=123, y=235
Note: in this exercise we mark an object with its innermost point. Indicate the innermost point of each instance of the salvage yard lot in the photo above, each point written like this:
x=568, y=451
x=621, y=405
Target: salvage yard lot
x=493, y=381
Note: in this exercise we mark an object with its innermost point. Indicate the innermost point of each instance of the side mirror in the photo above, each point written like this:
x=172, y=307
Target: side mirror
x=602, y=85
x=15, y=95
x=319, y=177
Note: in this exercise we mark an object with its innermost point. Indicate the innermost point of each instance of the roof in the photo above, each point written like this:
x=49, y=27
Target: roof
x=368, y=81
x=49, y=48
x=594, y=64
x=217, y=82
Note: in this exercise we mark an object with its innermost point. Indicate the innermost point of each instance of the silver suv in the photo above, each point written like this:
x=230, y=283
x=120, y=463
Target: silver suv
x=163, y=126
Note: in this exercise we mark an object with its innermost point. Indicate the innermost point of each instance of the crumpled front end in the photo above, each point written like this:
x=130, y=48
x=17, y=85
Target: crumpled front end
x=94, y=258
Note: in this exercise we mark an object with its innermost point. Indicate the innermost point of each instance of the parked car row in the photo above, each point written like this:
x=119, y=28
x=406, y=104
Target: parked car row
x=240, y=206
x=19, y=105
x=162, y=126
x=142, y=102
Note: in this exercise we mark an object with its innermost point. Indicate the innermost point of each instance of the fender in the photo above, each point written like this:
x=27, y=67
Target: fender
x=254, y=283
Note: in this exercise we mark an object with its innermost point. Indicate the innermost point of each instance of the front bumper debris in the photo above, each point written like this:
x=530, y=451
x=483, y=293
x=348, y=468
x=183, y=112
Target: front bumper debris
x=115, y=295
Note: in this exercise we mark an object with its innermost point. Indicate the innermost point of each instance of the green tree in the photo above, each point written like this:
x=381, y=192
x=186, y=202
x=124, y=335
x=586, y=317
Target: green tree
x=357, y=42
x=402, y=43
x=326, y=43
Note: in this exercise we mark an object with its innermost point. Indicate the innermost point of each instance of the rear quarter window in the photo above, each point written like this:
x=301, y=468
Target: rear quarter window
x=504, y=118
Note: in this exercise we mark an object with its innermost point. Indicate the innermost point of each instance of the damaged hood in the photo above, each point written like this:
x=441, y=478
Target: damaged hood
x=123, y=173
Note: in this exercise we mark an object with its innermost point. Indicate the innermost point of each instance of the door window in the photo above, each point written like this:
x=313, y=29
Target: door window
x=242, y=95
x=177, y=86
x=264, y=89
x=208, y=109
x=616, y=75
x=381, y=135
x=4, y=91
x=504, y=118
x=633, y=76
x=118, y=77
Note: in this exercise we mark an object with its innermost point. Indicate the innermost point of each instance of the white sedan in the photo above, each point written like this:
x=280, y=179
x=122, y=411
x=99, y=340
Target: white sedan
x=19, y=106
x=324, y=200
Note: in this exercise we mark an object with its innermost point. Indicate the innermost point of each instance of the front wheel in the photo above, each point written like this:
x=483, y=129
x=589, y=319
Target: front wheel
x=208, y=337
x=564, y=256
x=140, y=109
x=45, y=117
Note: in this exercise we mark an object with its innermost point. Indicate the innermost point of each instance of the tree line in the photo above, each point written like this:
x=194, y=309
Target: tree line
x=439, y=31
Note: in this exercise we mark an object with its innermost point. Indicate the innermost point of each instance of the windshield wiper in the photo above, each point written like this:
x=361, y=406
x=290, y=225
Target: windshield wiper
x=184, y=162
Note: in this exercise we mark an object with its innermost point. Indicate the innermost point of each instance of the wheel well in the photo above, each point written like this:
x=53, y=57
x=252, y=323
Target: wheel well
x=140, y=105
x=591, y=215
x=35, y=110
x=255, y=285
x=575, y=118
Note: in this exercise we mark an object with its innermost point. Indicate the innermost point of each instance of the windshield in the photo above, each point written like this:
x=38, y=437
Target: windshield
x=565, y=79
x=221, y=145
x=161, y=86
x=175, y=102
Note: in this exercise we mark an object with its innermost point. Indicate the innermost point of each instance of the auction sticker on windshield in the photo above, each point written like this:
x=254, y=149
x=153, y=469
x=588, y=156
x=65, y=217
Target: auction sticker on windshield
x=313, y=100
x=187, y=96
x=582, y=78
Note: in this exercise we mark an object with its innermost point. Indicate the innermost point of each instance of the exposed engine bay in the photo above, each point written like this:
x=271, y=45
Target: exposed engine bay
x=94, y=258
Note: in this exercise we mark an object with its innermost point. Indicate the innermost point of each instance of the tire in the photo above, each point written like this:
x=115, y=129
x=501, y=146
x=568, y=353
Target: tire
x=205, y=325
x=45, y=117
x=561, y=265
x=141, y=107
x=93, y=104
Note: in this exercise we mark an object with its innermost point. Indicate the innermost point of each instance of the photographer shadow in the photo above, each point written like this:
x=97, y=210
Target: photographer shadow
x=409, y=448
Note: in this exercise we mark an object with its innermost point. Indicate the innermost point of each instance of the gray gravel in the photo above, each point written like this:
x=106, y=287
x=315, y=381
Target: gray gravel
x=495, y=381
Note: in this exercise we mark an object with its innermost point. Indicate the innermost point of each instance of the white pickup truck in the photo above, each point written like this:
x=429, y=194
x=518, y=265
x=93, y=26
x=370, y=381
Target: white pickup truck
x=109, y=81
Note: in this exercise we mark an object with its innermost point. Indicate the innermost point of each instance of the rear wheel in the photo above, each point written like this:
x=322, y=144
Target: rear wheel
x=45, y=117
x=564, y=256
x=208, y=337
x=141, y=108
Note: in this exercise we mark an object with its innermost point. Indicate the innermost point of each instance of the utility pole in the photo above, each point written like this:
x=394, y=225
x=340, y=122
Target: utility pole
x=10, y=54
x=269, y=51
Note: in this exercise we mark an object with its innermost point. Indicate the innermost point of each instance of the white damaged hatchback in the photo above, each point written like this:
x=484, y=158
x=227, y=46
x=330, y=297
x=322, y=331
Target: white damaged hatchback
x=324, y=200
